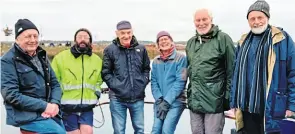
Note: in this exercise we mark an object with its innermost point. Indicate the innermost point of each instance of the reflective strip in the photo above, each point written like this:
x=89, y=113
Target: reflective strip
x=79, y=101
x=76, y=87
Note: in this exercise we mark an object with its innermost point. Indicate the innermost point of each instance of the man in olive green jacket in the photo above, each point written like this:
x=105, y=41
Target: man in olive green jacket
x=210, y=58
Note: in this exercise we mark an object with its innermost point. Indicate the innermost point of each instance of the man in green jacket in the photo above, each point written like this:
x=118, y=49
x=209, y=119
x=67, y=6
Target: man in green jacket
x=210, y=66
x=78, y=71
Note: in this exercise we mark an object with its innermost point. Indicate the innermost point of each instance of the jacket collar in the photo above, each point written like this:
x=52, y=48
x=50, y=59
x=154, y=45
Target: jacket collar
x=212, y=32
x=76, y=53
x=277, y=36
x=22, y=55
x=133, y=43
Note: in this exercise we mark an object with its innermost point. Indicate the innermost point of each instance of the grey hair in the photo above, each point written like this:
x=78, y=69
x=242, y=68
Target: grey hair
x=204, y=9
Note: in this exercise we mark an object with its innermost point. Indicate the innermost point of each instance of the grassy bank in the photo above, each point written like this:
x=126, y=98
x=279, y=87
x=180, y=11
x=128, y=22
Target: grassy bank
x=97, y=49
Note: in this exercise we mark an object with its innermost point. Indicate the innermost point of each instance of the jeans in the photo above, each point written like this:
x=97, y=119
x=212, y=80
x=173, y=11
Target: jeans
x=47, y=126
x=168, y=125
x=119, y=114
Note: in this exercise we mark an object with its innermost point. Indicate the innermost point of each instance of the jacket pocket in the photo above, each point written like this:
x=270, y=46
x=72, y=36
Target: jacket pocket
x=115, y=85
x=212, y=96
x=23, y=116
x=27, y=76
x=216, y=87
x=145, y=80
x=279, y=105
x=93, y=74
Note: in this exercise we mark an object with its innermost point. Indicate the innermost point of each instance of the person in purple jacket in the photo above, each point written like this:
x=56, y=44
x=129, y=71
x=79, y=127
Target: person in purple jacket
x=168, y=80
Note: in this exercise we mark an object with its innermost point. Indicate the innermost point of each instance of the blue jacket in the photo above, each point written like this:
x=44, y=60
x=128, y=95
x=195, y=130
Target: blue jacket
x=126, y=70
x=25, y=90
x=168, y=78
x=280, y=93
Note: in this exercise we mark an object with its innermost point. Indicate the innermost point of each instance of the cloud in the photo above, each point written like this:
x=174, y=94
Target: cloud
x=59, y=19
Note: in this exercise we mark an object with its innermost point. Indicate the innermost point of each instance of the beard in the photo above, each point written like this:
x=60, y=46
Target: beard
x=83, y=46
x=259, y=30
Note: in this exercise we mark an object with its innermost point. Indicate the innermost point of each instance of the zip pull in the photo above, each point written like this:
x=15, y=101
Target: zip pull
x=200, y=39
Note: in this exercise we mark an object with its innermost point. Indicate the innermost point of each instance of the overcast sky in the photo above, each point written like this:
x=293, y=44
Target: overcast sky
x=59, y=19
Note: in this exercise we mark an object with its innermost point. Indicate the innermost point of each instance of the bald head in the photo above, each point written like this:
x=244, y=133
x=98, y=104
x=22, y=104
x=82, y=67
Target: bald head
x=203, y=21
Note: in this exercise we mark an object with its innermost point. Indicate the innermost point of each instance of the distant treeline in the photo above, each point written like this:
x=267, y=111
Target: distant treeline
x=103, y=42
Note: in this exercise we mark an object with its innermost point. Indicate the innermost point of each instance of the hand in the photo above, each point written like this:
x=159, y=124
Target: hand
x=97, y=93
x=162, y=109
x=45, y=115
x=56, y=110
x=50, y=111
x=234, y=110
x=162, y=114
x=289, y=114
x=159, y=100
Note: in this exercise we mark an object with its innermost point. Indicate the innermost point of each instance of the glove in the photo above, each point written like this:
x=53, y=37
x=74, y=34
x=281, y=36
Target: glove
x=163, y=109
x=159, y=100
x=97, y=93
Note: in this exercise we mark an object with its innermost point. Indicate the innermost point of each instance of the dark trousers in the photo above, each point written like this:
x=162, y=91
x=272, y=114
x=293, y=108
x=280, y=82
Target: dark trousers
x=253, y=124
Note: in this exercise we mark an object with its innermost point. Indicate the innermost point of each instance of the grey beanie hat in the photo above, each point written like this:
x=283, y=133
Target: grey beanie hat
x=259, y=5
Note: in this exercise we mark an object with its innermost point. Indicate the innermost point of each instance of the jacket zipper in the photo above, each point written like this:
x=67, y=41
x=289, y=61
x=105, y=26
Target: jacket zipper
x=129, y=66
x=82, y=78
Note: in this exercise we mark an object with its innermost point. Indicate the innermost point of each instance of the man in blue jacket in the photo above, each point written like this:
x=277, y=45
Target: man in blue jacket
x=29, y=88
x=125, y=70
x=263, y=86
x=168, y=79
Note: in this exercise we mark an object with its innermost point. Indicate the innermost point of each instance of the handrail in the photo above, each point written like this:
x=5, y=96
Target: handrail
x=226, y=113
x=106, y=90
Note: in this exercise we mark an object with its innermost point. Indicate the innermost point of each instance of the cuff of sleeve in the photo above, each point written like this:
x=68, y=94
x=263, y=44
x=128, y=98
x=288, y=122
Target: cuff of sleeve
x=43, y=106
x=168, y=100
x=55, y=101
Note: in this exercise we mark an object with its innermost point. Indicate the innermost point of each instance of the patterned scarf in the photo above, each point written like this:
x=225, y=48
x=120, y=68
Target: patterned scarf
x=259, y=81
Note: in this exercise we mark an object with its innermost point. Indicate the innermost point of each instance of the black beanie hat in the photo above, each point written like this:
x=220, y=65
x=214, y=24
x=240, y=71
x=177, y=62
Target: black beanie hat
x=85, y=30
x=22, y=25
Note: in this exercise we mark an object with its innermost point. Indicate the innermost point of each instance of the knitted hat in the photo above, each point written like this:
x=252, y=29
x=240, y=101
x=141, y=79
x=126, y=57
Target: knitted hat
x=23, y=24
x=124, y=25
x=163, y=33
x=85, y=30
x=259, y=5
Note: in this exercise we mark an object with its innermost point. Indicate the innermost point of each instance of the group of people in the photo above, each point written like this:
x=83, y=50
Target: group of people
x=256, y=80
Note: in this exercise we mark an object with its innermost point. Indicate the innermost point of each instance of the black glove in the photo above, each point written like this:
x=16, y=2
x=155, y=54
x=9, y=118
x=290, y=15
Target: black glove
x=159, y=100
x=163, y=109
x=97, y=93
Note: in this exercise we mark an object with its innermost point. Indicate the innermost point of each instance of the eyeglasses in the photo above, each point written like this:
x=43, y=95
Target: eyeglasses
x=163, y=39
x=83, y=37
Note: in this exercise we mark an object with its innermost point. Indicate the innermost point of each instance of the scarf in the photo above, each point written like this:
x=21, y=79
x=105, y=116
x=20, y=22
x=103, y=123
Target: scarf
x=164, y=56
x=259, y=81
x=77, y=52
